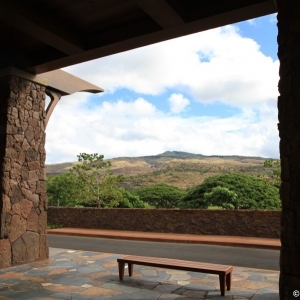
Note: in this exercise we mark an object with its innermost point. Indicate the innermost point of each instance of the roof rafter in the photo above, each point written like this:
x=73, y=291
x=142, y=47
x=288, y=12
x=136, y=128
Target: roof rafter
x=32, y=28
x=241, y=14
x=161, y=12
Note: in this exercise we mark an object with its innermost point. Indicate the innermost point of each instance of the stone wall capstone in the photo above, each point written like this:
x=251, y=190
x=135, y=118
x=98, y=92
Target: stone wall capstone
x=208, y=222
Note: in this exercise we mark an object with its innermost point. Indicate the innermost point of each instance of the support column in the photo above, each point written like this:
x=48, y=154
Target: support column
x=289, y=132
x=23, y=200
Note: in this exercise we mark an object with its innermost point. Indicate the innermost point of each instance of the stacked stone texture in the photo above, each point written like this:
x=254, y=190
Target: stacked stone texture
x=289, y=131
x=23, y=188
x=209, y=222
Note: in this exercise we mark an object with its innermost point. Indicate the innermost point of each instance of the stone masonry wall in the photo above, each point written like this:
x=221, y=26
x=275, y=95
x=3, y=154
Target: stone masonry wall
x=210, y=222
x=289, y=132
x=23, y=201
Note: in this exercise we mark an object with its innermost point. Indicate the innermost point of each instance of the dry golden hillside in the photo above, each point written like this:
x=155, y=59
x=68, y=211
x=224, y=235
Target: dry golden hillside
x=180, y=169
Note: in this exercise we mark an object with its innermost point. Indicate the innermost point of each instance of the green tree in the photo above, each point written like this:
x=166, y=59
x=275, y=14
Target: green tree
x=223, y=197
x=252, y=192
x=274, y=165
x=131, y=201
x=91, y=183
x=101, y=187
x=64, y=190
x=160, y=195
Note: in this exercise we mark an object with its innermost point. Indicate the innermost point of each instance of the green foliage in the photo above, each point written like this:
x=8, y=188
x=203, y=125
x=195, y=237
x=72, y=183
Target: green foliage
x=64, y=190
x=222, y=196
x=274, y=165
x=160, y=195
x=131, y=201
x=252, y=192
x=90, y=183
x=101, y=189
x=228, y=206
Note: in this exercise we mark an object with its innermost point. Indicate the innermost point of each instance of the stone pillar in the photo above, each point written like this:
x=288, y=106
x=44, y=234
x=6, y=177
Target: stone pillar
x=289, y=132
x=23, y=200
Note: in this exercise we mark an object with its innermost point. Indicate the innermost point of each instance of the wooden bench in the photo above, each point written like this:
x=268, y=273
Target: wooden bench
x=223, y=271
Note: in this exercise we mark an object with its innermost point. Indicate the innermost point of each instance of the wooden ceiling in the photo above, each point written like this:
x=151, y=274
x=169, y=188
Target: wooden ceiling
x=43, y=35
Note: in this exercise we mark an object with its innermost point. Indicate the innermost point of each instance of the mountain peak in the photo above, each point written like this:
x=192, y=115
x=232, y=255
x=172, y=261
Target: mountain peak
x=179, y=154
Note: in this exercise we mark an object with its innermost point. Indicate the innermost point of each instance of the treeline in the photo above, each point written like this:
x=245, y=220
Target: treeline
x=90, y=183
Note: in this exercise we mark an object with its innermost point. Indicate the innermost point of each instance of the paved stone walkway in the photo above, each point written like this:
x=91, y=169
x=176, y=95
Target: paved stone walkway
x=70, y=274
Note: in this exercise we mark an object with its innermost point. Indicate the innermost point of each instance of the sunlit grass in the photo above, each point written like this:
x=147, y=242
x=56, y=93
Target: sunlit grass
x=214, y=207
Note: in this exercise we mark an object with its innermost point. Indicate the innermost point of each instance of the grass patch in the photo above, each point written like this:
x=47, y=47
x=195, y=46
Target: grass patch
x=214, y=207
x=53, y=226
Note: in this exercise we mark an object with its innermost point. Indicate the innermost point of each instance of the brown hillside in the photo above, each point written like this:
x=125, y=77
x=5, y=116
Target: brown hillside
x=180, y=169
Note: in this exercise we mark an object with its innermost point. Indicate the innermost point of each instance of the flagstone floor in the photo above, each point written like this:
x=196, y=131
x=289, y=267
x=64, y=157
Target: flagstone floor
x=70, y=274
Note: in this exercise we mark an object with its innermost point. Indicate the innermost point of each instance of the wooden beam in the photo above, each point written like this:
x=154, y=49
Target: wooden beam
x=161, y=12
x=238, y=15
x=67, y=84
x=14, y=58
x=9, y=16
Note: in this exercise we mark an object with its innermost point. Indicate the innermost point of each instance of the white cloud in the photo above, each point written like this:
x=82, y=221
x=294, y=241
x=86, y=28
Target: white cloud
x=251, y=21
x=178, y=103
x=118, y=130
x=138, y=107
x=218, y=64
x=273, y=18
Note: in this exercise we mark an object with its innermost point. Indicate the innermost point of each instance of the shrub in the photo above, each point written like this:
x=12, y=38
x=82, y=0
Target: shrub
x=252, y=192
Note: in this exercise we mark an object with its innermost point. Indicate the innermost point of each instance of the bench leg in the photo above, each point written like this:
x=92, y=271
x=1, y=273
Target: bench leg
x=121, y=270
x=228, y=281
x=222, y=284
x=130, y=269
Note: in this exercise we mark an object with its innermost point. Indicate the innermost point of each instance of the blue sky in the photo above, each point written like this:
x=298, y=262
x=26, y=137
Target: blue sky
x=212, y=93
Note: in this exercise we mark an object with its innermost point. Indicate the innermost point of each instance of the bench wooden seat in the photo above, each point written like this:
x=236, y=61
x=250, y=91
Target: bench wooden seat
x=223, y=271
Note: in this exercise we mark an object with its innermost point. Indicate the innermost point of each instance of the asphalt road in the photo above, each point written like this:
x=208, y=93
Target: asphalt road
x=236, y=256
